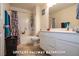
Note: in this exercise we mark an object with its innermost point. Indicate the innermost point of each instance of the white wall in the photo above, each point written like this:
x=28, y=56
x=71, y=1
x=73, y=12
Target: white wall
x=37, y=19
x=41, y=21
x=44, y=18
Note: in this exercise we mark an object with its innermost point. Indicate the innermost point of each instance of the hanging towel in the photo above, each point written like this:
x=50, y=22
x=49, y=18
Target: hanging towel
x=7, y=25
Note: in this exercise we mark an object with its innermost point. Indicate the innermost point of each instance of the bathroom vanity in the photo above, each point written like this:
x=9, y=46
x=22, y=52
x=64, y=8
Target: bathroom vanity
x=60, y=43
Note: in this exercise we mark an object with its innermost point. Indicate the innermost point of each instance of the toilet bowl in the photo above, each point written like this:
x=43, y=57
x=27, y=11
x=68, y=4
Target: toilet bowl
x=29, y=39
x=35, y=40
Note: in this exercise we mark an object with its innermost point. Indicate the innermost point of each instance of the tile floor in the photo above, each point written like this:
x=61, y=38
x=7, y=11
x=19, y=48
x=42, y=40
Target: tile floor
x=30, y=50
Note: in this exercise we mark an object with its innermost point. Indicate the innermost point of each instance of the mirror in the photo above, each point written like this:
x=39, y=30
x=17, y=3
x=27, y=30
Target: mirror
x=61, y=14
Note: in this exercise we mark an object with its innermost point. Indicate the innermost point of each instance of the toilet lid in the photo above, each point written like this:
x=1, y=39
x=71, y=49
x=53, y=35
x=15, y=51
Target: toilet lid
x=35, y=38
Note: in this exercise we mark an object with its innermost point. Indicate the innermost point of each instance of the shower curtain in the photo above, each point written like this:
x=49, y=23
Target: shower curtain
x=14, y=24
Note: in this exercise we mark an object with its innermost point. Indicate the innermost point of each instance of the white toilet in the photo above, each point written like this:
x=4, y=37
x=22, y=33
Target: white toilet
x=35, y=40
x=29, y=39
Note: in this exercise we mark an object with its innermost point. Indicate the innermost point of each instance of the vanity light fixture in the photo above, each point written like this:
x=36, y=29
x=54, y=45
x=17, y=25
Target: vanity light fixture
x=50, y=3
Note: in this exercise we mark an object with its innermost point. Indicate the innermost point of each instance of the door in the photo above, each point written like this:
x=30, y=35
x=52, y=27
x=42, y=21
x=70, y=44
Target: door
x=1, y=30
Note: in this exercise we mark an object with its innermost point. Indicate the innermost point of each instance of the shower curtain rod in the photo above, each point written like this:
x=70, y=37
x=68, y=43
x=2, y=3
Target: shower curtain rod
x=17, y=11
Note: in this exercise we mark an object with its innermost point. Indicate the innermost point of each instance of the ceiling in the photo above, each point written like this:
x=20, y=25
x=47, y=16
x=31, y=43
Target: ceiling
x=31, y=6
x=28, y=6
x=59, y=6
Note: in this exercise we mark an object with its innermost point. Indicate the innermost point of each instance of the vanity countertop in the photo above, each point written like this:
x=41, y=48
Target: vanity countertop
x=65, y=32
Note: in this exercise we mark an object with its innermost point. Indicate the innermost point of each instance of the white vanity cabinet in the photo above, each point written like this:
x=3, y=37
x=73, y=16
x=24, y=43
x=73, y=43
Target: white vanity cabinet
x=60, y=42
